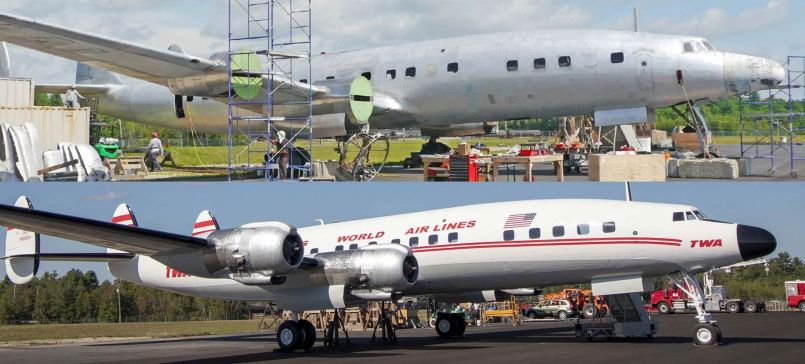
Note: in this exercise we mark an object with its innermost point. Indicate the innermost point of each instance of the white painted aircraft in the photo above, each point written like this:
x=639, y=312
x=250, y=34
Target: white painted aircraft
x=447, y=87
x=473, y=252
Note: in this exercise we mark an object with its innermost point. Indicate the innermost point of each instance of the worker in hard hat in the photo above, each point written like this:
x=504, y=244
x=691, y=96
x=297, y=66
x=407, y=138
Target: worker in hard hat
x=72, y=97
x=155, y=150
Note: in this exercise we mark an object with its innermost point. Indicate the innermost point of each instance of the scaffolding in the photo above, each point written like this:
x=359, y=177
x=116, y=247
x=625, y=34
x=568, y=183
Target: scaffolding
x=776, y=124
x=270, y=120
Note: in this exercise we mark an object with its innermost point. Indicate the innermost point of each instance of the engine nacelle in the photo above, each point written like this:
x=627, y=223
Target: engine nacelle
x=369, y=271
x=269, y=250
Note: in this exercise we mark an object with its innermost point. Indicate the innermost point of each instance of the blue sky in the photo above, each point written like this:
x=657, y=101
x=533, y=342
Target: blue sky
x=770, y=28
x=778, y=207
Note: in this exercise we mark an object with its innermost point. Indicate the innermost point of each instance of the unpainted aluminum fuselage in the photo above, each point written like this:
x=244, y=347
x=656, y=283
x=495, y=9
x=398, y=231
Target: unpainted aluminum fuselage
x=486, y=88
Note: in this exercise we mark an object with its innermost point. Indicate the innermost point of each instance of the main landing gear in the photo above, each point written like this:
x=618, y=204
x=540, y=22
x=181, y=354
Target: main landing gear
x=450, y=325
x=706, y=333
x=296, y=335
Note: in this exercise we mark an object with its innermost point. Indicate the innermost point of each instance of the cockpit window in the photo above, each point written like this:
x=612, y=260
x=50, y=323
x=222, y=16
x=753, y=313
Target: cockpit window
x=689, y=47
x=679, y=216
x=699, y=215
x=708, y=45
x=690, y=216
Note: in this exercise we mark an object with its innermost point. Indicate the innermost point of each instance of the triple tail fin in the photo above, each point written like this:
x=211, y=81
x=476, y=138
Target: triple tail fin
x=206, y=224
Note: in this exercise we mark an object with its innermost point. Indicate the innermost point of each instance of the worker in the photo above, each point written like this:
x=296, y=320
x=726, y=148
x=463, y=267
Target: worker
x=71, y=100
x=282, y=156
x=155, y=150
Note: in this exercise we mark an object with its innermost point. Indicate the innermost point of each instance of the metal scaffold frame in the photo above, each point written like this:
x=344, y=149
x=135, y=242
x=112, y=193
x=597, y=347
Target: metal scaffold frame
x=266, y=110
x=767, y=132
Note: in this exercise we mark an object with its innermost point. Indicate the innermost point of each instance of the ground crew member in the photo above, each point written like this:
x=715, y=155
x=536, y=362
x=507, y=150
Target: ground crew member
x=155, y=150
x=71, y=100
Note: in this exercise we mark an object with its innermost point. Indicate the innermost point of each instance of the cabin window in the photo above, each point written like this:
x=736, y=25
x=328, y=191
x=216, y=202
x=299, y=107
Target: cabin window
x=413, y=242
x=609, y=227
x=391, y=74
x=679, y=216
x=353, y=247
x=512, y=66
x=690, y=216
x=617, y=57
x=339, y=248
x=395, y=241
x=565, y=61
x=410, y=72
x=583, y=229
x=433, y=240
x=452, y=67
x=558, y=231
x=540, y=64
x=373, y=243
x=508, y=235
x=452, y=238
x=330, y=77
x=314, y=251
x=534, y=233
x=300, y=81
x=368, y=75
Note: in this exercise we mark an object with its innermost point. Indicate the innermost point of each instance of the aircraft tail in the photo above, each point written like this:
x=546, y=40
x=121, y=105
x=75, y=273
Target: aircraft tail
x=206, y=224
x=87, y=75
x=22, y=250
x=5, y=61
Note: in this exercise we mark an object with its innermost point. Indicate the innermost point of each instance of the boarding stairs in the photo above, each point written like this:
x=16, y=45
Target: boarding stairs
x=627, y=318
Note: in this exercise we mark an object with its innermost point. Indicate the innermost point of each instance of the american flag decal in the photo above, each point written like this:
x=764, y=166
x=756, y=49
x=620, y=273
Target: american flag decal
x=519, y=221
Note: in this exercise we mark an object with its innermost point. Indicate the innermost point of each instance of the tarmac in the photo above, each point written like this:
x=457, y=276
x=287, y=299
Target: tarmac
x=763, y=337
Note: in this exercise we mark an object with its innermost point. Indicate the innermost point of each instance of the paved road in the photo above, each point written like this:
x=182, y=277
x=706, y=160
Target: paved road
x=760, y=338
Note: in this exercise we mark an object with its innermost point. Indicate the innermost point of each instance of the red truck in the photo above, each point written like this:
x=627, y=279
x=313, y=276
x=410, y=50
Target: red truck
x=674, y=299
x=795, y=291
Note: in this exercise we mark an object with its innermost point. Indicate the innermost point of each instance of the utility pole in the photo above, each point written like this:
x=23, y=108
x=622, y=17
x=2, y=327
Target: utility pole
x=119, y=311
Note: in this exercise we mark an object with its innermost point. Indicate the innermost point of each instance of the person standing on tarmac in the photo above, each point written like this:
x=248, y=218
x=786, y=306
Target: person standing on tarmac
x=155, y=150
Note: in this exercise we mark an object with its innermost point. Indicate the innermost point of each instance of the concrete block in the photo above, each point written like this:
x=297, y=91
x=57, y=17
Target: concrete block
x=709, y=169
x=673, y=168
x=628, y=168
x=744, y=167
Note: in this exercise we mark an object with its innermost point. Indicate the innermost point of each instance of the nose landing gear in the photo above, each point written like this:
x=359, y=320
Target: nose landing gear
x=706, y=333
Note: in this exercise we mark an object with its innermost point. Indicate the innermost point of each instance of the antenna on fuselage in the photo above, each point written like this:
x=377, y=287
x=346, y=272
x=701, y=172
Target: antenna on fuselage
x=628, y=192
x=636, y=20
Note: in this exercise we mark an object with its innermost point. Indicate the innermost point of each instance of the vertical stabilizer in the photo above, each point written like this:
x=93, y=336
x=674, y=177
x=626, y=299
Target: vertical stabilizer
x=87, y=75
x=206, y=224
x=22, y=250
x=5, y=61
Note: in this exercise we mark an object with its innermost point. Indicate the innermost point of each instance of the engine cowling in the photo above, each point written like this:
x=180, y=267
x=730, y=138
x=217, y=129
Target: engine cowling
x=371, y=272
x=268, y=250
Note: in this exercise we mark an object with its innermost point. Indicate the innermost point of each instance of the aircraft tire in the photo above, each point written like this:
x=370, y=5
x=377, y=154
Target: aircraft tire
x=445, y=326
x=460, y=325
x=290, y=336
x=310, y=335
x=705, y=335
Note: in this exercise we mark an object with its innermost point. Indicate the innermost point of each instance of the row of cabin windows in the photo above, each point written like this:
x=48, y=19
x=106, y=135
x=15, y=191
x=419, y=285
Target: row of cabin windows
x=412, y=242
x=559, y=231
x=511, y=66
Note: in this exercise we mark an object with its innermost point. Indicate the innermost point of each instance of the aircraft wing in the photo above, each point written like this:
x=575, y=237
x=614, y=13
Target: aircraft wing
x=103, y=234
x=126, y=58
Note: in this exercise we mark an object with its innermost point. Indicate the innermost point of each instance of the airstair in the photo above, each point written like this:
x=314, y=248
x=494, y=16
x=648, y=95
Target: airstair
x=627, y=318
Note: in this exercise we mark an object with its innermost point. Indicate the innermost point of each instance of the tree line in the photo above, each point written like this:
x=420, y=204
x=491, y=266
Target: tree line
x=78, y=297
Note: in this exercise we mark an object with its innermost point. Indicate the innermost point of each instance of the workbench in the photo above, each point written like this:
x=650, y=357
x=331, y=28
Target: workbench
x=427, y=160
x=557, y=160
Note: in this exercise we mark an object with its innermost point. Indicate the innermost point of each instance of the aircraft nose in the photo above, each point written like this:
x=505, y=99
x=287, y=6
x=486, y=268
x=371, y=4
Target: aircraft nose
x=746, y=74
x=754, y=242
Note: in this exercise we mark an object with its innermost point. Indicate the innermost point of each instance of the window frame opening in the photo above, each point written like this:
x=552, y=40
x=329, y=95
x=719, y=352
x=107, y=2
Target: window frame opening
x=559, y=231
x=513, y=65
x=567, y=64
x=452, y=67
x=410, y=72
x=617, y=58
x=542, y=66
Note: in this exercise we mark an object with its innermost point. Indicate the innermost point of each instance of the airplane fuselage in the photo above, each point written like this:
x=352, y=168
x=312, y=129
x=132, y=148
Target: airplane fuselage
x=496, y=77
x=499, y=246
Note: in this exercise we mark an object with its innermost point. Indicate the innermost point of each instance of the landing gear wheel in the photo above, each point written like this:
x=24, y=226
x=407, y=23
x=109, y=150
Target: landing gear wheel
x=364, y=155
x=459, y=325
x=705, y=335
x=733, y=307
x=562, y=315
x=444, y=327
x=720, y=335
x=750, y=307
x=310, y=334
x=290, y=336
x=664, y=308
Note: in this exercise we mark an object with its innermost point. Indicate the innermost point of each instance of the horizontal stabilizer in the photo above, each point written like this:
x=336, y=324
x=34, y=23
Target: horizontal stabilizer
x=22, y=248
x=103, y=234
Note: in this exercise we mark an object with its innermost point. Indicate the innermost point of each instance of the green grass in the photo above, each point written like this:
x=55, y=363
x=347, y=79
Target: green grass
x=27, y=333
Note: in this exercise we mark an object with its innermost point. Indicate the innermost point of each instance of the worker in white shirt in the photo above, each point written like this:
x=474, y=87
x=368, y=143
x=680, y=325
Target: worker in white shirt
x=155, y=150
x=72, y=97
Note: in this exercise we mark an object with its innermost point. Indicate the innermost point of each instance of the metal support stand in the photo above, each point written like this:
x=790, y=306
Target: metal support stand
x=332, y=332
x=385, y=322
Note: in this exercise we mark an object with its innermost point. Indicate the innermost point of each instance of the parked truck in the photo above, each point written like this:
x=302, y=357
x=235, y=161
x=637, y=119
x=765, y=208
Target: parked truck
x=717, y=299
x=795, y=291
